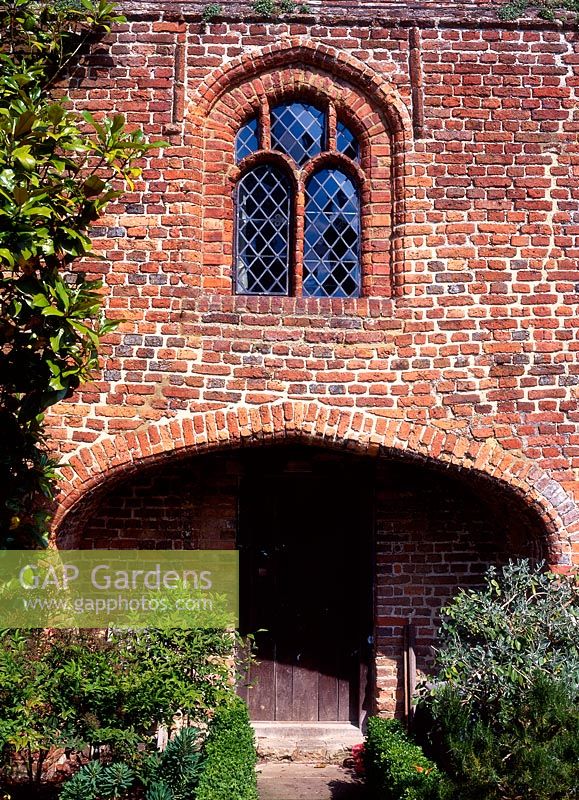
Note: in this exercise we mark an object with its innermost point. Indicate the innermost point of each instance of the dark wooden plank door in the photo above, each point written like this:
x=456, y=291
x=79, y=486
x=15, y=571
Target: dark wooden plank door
x=305, y=590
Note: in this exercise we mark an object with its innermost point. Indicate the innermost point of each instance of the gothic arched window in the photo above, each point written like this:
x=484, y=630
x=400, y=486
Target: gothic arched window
x=268, y=204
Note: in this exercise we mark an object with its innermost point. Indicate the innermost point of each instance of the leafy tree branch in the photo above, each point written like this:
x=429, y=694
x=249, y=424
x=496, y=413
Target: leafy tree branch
x=58, y=172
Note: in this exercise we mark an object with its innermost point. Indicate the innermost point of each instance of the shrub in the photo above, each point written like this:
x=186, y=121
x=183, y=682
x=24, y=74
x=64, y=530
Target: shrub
x=73, y=689
x=396, y=767
x=230, y=757
x=503, y=714
x=530, y=752
x=495, y=642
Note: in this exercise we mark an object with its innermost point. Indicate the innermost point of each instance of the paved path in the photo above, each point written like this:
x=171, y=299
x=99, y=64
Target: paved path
x=296, y=781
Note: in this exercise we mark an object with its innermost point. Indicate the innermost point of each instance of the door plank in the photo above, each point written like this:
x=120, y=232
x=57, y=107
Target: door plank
x=328, y=698
x=305, y=695
x=283, y=691
x=261, y=694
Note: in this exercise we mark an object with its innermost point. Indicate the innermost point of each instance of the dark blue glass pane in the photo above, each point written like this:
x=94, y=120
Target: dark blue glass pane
x=246, y=140
x=346, y=142
x=298, y=131
x=263, y=232
x=331, y=236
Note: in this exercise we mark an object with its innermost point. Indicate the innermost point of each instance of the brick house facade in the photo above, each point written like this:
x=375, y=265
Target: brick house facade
x=418, y=432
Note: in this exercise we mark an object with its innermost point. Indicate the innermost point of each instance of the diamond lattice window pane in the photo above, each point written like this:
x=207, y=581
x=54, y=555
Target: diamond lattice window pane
x=263, y=232
x=297, y=130
x=346, y=142
x=246, y=140
x=331, y=236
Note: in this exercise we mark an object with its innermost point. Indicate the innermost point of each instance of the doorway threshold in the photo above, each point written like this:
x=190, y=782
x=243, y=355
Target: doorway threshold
x=308, y=742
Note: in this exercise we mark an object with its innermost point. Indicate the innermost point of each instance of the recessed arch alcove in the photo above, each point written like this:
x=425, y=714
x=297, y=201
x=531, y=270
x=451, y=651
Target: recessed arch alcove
x=387, y=534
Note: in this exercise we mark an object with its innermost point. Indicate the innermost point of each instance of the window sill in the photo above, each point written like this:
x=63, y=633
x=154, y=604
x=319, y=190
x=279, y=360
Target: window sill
x=308, y=306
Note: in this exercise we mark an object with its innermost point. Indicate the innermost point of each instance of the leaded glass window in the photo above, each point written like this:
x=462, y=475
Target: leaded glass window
x=246, y=141
x=297, y=130
x=263, y=232
x=331, y=236
x=346, y=142
x=266, y=200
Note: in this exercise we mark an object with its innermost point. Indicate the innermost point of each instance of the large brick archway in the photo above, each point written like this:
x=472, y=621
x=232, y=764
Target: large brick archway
x=113, y=459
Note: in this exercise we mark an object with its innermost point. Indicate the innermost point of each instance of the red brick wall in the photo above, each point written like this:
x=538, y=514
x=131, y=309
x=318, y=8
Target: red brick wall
x=469, y=324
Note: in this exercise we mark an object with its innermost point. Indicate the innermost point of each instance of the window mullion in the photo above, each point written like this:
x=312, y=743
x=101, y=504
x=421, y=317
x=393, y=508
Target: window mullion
x=298, y=240
x=332, y=127
x=264, y=125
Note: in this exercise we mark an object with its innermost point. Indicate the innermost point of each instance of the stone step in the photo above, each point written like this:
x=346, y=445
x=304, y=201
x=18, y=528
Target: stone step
x=309, y=742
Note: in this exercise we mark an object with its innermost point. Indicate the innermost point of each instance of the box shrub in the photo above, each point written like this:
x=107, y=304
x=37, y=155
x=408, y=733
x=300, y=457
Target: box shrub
x=230, y=756
x=396, y=767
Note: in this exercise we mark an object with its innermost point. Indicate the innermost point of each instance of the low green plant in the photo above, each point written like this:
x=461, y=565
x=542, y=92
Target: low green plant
x=546, y=9
x=79, y=787
x=211, y=11
x=178, y=768
x=95, y=782
x=116, y=780
x=159, y=791
x=230, y=756
x=274, y=8
x=396, y=767
x=170, y=775
x=266, y=8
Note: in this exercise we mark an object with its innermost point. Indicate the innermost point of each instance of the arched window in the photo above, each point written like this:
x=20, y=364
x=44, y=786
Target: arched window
x=263, y=231
x=267, y=203
x=331, y=236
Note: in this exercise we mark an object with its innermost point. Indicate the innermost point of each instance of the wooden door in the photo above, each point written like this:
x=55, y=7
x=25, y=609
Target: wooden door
x=305, y=587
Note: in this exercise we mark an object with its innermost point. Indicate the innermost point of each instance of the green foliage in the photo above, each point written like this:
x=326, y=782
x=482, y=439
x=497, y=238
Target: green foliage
x=176, y=771
x=171, y=775
x=546, y=9
x=95, y=782
x=116, y=779
x=493, y=643
x=79, y=787
x=268, y=8
x=70, y=690
x=58, y=172
x=211, y=11
x=396, y=767
x=230, y=757
x=531, y=751
x=159, y=791
x=504, y=709
x=181, y=763
x=274, y=8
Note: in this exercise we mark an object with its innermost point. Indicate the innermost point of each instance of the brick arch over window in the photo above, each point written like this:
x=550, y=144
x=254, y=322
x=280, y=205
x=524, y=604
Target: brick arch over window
x=319, y=74
x=364, y=432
